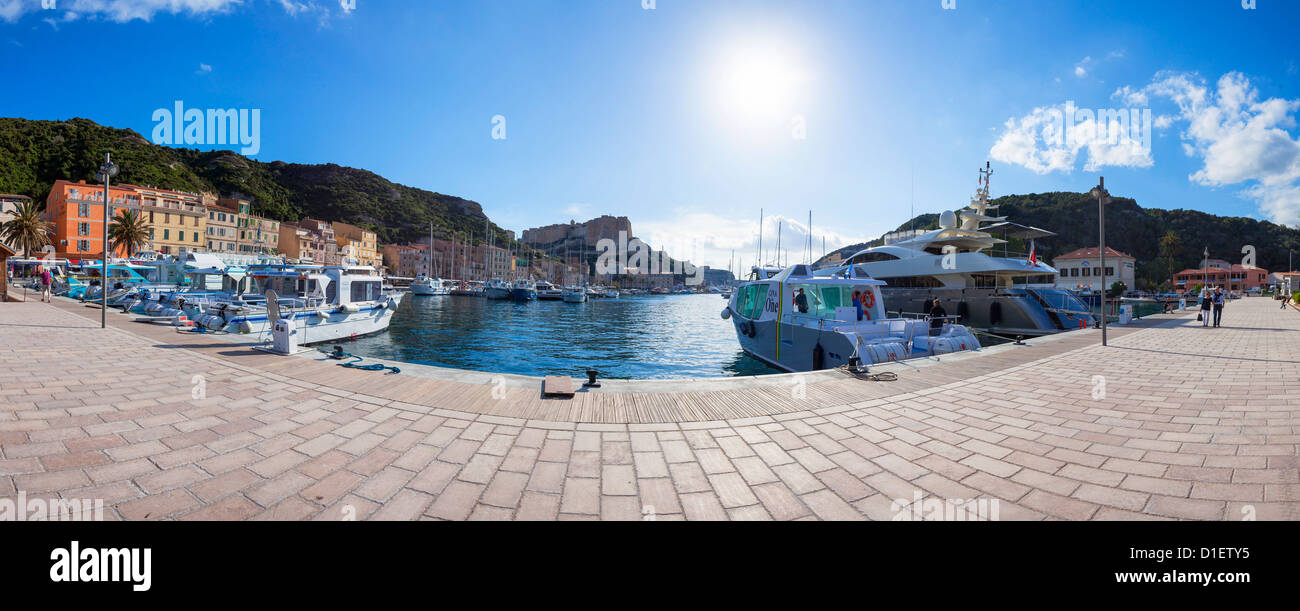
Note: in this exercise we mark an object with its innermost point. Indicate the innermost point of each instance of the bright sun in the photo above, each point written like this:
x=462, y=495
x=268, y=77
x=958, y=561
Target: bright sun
x=759, y=82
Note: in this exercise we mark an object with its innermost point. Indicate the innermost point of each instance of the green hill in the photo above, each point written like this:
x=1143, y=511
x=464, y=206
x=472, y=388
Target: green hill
x=34, y=154
x=1135, y=230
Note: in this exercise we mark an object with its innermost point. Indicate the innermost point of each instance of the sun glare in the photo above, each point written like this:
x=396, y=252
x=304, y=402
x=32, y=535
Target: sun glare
x=759, y=83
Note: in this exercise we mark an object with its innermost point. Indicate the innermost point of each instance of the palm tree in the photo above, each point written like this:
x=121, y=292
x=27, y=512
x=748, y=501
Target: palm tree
x=27, y=229
x=130, y=231
x=1169, y=246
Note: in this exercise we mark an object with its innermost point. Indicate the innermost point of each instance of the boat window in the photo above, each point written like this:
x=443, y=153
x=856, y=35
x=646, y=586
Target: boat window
x=984, y=281
x=873, y=257
x=331, y=291
x=365, y=291
x=912, y=282
x=755, y=297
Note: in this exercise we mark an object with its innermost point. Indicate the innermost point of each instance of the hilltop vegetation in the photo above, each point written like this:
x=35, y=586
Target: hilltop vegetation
x=34, y=154
x=1134, y=230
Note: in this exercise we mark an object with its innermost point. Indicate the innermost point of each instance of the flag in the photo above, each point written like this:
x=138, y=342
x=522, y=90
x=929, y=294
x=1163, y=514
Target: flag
x=1033, y=254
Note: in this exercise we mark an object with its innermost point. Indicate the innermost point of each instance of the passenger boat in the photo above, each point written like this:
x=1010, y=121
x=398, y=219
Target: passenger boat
x=823, y=331
x=497, y=289
x=1010, y=295
x=427, y=286
x=611, y=293
x=523, y=290
x=574, y=294
x=549, y=292
x=324, y=303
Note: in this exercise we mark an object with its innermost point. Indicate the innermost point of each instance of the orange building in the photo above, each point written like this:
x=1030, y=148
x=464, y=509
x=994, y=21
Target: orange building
x=77, y=211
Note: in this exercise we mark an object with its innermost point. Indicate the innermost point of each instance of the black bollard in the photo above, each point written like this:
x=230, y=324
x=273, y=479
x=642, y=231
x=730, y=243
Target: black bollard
x=591, y=379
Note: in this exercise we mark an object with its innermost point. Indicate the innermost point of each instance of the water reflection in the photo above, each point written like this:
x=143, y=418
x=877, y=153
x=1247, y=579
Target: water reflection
x=644, y=337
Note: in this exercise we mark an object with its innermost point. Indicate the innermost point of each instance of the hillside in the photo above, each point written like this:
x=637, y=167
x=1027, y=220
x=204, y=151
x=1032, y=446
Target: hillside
x=1136, y=231
x=34, y=154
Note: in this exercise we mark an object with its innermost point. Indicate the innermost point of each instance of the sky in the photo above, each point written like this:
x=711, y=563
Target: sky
x=692, y=116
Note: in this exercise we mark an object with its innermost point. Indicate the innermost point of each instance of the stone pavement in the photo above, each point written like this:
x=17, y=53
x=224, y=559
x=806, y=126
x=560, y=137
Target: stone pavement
x=1170, y=421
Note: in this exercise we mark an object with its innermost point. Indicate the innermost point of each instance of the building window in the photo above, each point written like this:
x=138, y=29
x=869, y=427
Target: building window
x=151, y=216
x=83, y=228
x=83, y=245
x=167, y=234
x=83, y=209
x=196, y=237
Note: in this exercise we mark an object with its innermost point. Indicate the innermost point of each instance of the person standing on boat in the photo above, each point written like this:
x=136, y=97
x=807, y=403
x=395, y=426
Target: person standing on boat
x=801, y=302
x=46, y=281
x=1205, y=306
x=1219, y=298
x=937, y=314
x=857, y=303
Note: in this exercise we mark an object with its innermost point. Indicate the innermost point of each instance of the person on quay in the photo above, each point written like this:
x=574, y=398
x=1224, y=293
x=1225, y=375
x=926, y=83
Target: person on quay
x=47, y=280
x=1206, y=301
x=1219, y=299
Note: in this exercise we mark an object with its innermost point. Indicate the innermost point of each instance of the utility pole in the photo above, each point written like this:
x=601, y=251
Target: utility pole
x=105, y=175
x=1103, y=198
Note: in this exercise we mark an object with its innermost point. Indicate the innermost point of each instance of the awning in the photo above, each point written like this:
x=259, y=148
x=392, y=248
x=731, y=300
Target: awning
x=1016, y=230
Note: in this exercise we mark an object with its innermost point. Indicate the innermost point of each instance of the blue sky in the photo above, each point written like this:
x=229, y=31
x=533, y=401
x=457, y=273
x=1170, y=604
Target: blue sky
x=690, y=116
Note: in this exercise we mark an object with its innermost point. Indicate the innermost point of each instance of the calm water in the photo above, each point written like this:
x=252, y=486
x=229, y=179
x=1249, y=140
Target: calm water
x=653, y=336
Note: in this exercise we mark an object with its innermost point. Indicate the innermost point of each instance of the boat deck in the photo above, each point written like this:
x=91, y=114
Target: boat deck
x=1170, y=421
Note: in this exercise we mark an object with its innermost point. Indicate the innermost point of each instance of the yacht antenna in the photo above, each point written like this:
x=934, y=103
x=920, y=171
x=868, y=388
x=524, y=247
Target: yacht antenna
x=760, y=237
x=780, y=229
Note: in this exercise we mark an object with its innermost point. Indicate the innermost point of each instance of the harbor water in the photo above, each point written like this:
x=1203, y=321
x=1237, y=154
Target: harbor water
x=637, y=337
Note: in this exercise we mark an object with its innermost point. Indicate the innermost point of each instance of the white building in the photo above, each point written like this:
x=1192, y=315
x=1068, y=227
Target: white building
x=1081, y=270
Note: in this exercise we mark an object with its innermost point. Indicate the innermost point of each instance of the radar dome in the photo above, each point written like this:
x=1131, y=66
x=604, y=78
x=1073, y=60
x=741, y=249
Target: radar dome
x=947, y=220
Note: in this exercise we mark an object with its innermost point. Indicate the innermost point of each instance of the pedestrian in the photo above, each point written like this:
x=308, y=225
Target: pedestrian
x=1204, y=316
x=937, y=314
x=1219, y=298
x=1286, y=298
x=46, y=281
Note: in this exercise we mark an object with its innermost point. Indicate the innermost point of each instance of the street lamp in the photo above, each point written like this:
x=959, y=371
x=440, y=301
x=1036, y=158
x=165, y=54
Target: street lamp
x=1103, y=198
x=105, y=175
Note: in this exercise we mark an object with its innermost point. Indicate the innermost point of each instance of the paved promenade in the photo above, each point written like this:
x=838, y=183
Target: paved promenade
x=1172, y=421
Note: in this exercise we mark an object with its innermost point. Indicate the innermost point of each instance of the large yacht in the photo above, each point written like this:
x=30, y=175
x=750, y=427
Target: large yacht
x=795, y=321
x=1008, y=294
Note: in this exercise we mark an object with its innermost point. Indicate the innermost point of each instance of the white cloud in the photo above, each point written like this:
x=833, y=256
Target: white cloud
x=1239, y=138
x=1080, y=69
x=203, y=69
x=122, y=11
x=1051, y=138
x=709, y=239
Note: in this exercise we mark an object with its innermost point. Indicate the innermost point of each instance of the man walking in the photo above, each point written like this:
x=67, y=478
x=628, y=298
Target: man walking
x=47, y=280
x=1219, y=299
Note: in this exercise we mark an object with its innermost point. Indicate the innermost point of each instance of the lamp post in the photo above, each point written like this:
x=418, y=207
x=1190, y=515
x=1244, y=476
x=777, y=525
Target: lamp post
x=105, y=175
x=1103, y=198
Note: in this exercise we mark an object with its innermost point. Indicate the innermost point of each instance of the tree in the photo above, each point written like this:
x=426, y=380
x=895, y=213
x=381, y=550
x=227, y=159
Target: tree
x=129, y=231
x=1116, y=289
x=28, y=229
x=1169, y=246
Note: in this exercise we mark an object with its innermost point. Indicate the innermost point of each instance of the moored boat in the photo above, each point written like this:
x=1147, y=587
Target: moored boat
x=795, y=321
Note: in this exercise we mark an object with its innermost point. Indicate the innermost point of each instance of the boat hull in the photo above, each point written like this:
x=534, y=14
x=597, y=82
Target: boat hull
x=523, y=295
x=1005, y=312
x=330, y=325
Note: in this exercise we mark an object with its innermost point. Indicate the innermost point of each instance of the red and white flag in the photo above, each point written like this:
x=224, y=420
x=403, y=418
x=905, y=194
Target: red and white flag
x=1033, y=254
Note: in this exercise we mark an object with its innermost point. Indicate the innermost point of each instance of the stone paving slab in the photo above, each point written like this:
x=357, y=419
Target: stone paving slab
x=1172, y=421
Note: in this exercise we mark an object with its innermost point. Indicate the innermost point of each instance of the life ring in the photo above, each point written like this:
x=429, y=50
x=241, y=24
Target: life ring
x=868, y=299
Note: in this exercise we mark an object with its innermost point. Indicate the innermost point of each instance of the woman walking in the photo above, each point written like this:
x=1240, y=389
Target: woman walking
x=1205, y=306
